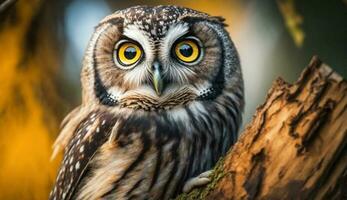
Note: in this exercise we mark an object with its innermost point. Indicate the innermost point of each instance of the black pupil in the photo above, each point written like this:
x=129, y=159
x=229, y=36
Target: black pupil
x=130, y=53
x=186, y=50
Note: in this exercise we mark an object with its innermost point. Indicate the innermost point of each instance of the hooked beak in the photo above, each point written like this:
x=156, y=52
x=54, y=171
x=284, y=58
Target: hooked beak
x=157, y=78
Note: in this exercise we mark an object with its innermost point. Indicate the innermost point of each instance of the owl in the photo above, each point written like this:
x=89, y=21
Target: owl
x=162, y=101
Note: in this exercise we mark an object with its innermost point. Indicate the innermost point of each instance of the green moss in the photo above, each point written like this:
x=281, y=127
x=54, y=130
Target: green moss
x=201, y=193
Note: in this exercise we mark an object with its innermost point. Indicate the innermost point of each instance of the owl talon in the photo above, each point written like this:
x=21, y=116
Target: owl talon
x=198, y=181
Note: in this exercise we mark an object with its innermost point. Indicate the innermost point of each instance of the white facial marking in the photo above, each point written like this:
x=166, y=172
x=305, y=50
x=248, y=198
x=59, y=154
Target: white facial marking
x=115, y=92
x=134, y=33
x=139, y=73
x=77, y=166
x=136, y=76
x=202, y=88
x=81, y=148
x=174, y=32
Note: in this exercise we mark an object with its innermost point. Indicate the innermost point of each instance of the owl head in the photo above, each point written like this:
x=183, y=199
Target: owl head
x=159, y=58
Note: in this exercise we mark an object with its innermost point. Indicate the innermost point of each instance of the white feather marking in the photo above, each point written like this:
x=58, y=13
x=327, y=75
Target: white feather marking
x=175, y=32
x=113, y=133
x=202, y=88
x=77, y=166
x=179, y=73
x=115, y=92
x=90, y=130
x=81, y=148
x=178, y=114
x=136, y=76
x=140, y=36
x=197, y=108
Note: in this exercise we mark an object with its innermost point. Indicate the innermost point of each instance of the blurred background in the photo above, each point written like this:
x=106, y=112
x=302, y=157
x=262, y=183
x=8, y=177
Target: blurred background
x=42, y=44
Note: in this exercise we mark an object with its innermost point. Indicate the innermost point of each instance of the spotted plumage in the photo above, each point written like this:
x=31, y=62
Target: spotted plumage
x=162, y=97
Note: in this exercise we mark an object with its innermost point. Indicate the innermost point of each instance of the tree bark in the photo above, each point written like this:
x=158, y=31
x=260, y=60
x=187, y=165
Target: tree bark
x=294, y=148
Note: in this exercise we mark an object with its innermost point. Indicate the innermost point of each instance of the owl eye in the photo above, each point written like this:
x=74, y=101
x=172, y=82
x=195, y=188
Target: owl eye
x=128, y=53
x=187, y=50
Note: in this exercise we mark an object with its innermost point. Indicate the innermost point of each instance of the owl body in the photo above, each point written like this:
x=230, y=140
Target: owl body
x=162, y=102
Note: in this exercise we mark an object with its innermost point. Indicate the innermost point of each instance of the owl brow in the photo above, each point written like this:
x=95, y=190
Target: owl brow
x=188, y=34
x=212, y=19
x=124, y=37
x=113, y=21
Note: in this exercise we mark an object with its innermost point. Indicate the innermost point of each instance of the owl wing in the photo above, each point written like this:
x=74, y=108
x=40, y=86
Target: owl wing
x=89, y=135
x=70, y=122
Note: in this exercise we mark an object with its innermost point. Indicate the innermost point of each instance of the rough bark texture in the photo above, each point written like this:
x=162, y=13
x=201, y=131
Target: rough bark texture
x=295, y=147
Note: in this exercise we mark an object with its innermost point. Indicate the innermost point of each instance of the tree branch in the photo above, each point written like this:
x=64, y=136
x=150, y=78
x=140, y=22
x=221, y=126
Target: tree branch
x=295, y=147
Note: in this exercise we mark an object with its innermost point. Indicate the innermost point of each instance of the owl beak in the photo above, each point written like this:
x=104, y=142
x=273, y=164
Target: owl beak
x=157, y=78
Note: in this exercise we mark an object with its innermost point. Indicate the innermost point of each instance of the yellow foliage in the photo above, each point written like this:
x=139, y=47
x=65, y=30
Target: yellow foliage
x=25, y=125
x=293, y=20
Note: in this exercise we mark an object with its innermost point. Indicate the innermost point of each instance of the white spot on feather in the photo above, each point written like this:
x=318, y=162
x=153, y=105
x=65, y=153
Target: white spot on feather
x=77, y=166
x=82, y=148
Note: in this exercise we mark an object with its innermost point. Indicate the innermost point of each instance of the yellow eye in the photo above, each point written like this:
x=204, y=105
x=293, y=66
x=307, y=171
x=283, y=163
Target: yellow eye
x=128, y=53
x=187, y=51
